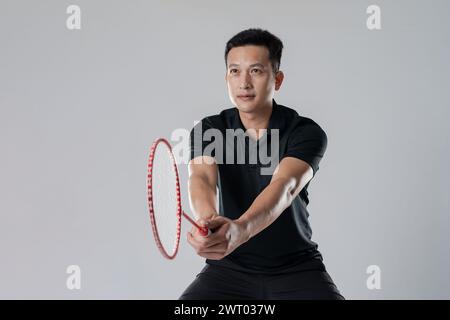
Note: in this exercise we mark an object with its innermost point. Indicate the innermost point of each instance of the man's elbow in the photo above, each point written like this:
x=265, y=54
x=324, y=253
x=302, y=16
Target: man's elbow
x=288, y=186
x=295, y=184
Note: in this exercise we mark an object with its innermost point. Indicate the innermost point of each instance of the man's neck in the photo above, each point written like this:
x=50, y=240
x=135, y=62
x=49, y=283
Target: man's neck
x=256, y=120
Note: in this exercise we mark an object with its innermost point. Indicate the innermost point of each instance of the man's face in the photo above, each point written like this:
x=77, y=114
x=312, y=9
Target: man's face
x=250, y=78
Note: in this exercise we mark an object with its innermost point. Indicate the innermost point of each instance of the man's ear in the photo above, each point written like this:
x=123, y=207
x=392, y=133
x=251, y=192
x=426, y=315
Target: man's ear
x=279, y=76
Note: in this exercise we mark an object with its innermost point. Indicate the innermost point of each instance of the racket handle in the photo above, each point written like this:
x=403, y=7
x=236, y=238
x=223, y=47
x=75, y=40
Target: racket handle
x=204, y=231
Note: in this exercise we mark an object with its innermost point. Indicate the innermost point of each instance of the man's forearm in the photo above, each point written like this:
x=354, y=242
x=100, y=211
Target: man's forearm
x=267, y=207
x=202, y=197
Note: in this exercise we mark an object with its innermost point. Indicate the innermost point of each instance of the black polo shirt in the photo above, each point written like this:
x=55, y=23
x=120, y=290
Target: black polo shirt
x=286, y=243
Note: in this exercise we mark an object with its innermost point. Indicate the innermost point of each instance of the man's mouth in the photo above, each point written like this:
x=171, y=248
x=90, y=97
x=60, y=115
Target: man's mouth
x=246, y=97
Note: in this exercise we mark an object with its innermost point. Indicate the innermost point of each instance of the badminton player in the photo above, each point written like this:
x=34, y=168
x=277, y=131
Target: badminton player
x=260, y=246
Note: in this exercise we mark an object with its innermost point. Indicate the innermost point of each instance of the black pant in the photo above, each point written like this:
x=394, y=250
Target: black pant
x=220, y=283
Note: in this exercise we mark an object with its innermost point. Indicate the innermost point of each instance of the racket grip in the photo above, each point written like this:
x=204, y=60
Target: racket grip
x=204, y=231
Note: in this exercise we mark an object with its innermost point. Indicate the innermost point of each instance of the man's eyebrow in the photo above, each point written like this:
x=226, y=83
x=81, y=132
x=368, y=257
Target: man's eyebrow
x=252, y=65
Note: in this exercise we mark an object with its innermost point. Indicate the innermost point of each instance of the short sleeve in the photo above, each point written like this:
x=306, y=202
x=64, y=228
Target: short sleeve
x=308, y=143
x=197, y=144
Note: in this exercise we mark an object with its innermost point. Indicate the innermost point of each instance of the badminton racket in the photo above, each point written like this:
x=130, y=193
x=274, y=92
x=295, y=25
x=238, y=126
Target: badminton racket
x=164, y=199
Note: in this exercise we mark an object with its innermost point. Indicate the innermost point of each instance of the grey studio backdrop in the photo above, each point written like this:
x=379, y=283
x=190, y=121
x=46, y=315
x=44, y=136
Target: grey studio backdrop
x=80, y=108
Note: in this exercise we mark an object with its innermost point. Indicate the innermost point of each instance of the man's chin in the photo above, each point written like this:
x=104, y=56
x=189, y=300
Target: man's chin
x=246, y=106
x=246, y=109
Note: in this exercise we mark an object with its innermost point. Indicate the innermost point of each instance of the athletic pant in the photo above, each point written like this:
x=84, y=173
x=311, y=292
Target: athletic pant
x=220, y=283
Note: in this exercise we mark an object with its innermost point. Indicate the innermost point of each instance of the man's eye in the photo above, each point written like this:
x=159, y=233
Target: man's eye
x=256, y=70
x=233, y=70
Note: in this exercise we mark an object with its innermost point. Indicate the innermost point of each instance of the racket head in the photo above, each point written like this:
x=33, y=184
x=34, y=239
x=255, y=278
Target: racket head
x=164, y=200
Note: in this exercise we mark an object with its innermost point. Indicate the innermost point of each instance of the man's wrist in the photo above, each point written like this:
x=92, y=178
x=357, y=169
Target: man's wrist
x=245, y=225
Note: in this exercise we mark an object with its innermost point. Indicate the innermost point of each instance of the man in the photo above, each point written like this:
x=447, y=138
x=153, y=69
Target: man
x=260, y=246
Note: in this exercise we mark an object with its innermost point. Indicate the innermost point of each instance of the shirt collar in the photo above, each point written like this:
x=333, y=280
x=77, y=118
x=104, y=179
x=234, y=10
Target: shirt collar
x=275, y=121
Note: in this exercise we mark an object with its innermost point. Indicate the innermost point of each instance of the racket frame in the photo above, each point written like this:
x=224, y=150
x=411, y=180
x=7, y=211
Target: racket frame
x=179, y=212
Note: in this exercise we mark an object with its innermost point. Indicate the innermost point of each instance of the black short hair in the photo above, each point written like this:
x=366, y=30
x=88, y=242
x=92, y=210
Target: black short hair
x=257, y=36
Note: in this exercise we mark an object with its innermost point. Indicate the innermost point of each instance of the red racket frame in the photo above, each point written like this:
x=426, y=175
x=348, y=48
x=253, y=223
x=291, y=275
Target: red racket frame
x=180, y=212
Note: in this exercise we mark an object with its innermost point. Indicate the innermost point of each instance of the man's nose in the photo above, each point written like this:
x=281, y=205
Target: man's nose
x=245, y=81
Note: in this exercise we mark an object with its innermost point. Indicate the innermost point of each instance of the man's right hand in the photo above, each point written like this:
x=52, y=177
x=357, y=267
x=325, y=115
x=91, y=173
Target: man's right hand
x=195, y=238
